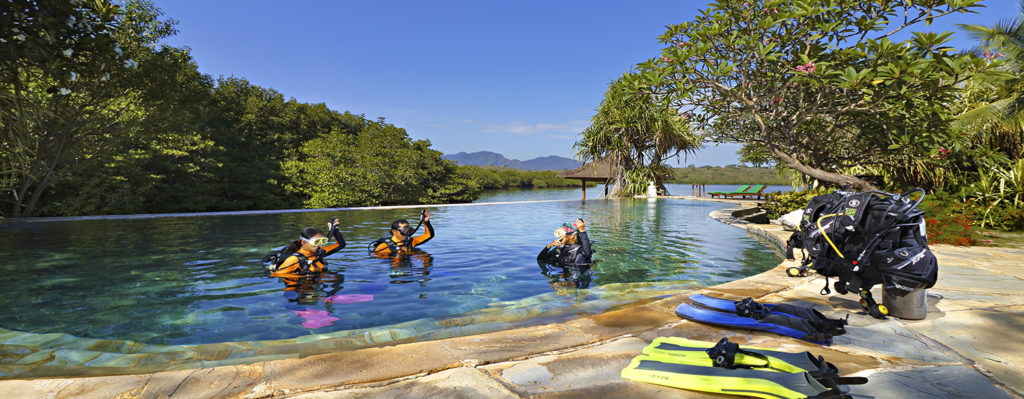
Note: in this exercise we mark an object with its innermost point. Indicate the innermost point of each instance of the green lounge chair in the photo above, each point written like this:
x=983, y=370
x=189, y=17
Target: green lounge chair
x=740, y=190
x=753, y=192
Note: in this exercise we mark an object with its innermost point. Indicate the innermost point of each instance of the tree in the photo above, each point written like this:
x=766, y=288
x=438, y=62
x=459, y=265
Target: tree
x=819, y=86
x=67, y=71
x=380, y=165
x=164, y=157
x=996, y=100
x=639, y=131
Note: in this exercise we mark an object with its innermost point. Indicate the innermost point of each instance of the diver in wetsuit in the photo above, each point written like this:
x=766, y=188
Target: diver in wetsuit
x=571, y=246
x=306, y=255
x=401, y=240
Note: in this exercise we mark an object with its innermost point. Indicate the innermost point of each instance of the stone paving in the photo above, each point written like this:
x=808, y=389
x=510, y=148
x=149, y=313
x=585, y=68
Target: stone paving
x=969, y=346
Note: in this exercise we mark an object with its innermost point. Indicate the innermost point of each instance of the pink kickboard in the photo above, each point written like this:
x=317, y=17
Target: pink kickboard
x=349, y=298
x=316, y=318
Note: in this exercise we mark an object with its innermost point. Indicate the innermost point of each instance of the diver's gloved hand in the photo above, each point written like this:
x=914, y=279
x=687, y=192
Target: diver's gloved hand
x=332, y=224
x=426, y=215
x=580, y=225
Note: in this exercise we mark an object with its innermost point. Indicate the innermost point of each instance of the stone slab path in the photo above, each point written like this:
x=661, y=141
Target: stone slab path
x=970, y=346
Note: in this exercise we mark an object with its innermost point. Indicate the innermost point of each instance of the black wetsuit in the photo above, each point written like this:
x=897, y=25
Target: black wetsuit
x=574, y=254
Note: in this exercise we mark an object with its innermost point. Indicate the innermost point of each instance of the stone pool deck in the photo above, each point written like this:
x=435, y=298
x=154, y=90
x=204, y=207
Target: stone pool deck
x=970, y=346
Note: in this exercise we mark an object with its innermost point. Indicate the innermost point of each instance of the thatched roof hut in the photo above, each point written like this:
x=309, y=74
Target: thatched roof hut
x=601, y=170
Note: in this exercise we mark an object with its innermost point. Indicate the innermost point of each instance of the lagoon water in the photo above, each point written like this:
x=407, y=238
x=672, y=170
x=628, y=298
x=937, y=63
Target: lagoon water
x=198, y=279
x=597, y=192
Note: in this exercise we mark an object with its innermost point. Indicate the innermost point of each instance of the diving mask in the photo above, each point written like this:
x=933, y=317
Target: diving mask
x=319, y=241
x=565, y=229
x=406, y=231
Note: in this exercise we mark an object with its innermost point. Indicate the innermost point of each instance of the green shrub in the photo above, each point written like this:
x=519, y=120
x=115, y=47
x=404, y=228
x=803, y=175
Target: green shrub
x=1006, y=217
x=1003, y=216
x=950, y=220
x=779, y=203
x=953, y=230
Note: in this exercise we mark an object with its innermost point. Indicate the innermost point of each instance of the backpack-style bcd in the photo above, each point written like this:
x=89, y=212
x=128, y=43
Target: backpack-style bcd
x=864, y=239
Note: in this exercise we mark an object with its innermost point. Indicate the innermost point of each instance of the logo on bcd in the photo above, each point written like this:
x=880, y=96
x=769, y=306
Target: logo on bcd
x=854, y=203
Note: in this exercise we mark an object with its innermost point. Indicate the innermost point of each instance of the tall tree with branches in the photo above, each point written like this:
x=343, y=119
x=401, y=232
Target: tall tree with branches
x=639, y=131
x=68, y=85
x=819, y=85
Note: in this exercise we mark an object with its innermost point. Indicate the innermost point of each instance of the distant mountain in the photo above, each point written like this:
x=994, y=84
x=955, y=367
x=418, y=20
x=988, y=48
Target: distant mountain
x=485, y=158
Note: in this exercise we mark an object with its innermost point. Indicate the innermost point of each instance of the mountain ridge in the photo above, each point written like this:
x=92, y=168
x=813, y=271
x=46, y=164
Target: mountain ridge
x=489, y=158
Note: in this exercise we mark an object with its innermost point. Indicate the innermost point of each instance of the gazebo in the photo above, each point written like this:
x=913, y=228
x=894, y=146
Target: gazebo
x=601, y=171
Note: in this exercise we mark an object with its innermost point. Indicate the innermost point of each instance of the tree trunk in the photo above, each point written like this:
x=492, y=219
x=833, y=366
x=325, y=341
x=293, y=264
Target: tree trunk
x=840, y=179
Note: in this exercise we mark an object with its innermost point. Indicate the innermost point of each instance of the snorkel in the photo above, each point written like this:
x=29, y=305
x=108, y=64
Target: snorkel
x=423, y=214
x=407, y=232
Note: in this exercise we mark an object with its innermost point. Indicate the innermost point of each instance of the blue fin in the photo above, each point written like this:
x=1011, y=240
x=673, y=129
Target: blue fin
x=749, y=308
x=789, y=326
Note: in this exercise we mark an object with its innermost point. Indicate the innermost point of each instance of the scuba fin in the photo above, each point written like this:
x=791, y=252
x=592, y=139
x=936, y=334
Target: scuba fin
x=749, y=308
x=730, y=355
x=745, y=382
x=796, y=327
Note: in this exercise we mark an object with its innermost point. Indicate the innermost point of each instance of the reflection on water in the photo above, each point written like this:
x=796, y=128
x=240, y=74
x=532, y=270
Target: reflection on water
x=566, y=280
x=193, y=280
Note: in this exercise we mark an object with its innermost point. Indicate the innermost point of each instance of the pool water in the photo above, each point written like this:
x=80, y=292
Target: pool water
x=195, y=280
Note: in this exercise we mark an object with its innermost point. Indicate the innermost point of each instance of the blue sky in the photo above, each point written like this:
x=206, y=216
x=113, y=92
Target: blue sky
x=521, y=78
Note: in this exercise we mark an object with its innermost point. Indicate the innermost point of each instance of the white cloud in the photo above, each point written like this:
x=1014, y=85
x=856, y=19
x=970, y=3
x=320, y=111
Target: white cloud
x=562, y=136
x=469, y=121
x=523, y=128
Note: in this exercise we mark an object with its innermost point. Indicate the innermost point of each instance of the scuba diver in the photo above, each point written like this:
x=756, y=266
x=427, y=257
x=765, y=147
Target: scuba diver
x=306, y=255
x=401, y=240
x=570, y=247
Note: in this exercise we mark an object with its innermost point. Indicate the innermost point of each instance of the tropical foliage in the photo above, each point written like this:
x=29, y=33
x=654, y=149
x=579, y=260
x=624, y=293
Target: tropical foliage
x=98, y=118
x=638, y=131
x=492, y=177
x=816, y=86
x=730, y=174
x=380, y=165
x=72, y=75
x=995, y=100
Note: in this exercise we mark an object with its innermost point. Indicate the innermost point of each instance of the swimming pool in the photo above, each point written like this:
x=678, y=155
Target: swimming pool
x=130, y=295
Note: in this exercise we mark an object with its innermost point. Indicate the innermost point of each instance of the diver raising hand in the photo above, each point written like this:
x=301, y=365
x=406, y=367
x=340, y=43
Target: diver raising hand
x=570, y=247
x=403, y=237
x=306, y=255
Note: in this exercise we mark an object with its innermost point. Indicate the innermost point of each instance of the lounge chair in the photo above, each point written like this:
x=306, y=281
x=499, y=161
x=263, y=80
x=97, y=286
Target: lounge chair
x=752, y=193
x=740, y=190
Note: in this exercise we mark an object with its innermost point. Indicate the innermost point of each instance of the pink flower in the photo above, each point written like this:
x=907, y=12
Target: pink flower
x=777, y=100
x=665, y=59
x=687, y=115
x=807, y=68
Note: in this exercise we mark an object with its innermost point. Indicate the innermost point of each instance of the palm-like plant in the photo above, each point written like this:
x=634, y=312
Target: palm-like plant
x=639, y=131
x=998, y=118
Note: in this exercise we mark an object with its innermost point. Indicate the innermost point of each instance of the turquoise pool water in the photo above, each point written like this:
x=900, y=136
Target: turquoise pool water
x=198, y=279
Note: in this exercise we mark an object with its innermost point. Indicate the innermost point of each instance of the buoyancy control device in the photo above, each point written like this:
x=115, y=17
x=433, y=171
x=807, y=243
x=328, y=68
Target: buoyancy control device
x=864, y=239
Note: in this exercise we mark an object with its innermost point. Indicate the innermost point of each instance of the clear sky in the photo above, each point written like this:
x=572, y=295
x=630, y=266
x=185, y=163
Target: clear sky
x=520, y=78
